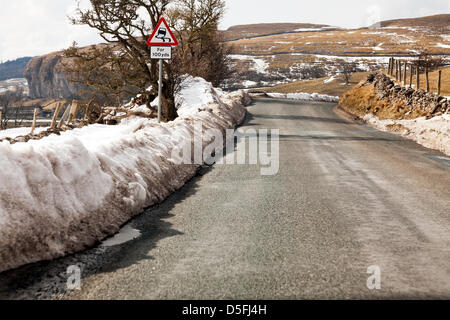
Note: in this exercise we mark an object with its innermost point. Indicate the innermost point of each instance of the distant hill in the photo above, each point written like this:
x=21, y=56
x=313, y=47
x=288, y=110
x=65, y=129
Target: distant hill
x=13, y=69
x=261, y=29
x=439, y=20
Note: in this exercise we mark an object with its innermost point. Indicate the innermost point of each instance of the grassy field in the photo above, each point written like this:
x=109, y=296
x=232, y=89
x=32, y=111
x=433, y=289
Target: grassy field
x=256, y=30
x=323, y=52
x=389, y=40
x=333, y=88
x=337, y=87
x=435, y=21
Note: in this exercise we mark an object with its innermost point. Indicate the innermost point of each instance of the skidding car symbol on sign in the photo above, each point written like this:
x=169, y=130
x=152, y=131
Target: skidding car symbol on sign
x=162, y=32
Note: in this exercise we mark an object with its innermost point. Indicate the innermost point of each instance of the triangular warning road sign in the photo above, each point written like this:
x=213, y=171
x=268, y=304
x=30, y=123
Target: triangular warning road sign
x=162, y=35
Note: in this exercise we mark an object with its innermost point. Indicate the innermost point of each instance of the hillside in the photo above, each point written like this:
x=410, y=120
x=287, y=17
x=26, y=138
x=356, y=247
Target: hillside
x=262, y=29
x=13, y=69
x=265, y=55
x=283, y=58
x=439, y=20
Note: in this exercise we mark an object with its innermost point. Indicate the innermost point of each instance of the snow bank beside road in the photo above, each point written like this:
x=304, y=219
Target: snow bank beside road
x=433, y=133
x=304, y=96
x=64, y=193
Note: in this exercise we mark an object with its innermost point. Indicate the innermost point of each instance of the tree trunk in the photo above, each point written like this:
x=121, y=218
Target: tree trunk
x=169, y=112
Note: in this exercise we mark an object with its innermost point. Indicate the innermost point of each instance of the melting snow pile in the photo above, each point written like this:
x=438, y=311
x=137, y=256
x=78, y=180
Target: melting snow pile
x=62, y=194
x=433, y=133
x=304, y=96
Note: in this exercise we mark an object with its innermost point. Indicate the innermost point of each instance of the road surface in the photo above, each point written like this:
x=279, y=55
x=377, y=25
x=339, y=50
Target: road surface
x=347, y=197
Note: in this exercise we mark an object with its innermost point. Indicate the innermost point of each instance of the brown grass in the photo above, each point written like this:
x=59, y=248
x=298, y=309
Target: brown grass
x=348, y=42
x=254, y=30
x=362, y=100
x=430, y=21
x=335, y=88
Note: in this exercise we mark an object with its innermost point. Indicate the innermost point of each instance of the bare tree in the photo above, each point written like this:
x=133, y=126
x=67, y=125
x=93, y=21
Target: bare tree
x=426, y=61
x=346, y=69
x=123, y=67
x=105, y=73
x=124, y=24
x=9, y=111
x=202, y=51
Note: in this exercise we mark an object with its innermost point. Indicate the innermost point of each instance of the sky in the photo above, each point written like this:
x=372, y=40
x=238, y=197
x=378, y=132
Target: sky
x=35, y=27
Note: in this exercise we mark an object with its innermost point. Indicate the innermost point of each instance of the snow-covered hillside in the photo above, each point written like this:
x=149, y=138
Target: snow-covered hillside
x=61, y=194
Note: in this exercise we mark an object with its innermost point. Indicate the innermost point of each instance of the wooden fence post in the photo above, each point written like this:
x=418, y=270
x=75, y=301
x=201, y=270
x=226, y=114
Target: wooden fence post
x=34, y=121
x=73, y=112
x=1, y=124
x=404, y=74
x=418, y=78
x=428, y=81
x=439, y=82
x=411, y=75
x=55, y=115
x=396, y=70
x=64, y=117
x=389, y=67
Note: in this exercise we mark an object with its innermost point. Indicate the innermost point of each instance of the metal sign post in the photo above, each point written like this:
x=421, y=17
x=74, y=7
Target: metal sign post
x=160, y=89
x=160, y=43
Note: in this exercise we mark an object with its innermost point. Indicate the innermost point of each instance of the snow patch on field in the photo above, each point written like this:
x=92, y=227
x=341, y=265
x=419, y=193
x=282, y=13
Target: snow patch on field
x=249, y=83
x=62, y=194
x=304, y=96
x=308, y=30
x=433, y=133
x=330, y=79
x=441, y=45
x=378, y=59
x=259, y=65
x=378, y=48
x=404, y=28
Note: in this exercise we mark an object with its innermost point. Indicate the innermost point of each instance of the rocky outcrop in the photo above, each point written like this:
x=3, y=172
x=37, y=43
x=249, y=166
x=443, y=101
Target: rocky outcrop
x=379, y=95
x=46, y=78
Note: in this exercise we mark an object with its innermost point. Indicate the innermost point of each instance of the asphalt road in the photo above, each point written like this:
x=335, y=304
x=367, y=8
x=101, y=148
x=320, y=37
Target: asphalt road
x=346, y=197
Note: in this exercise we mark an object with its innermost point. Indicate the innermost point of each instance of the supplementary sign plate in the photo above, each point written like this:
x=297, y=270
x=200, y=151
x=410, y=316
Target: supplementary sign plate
x=161, y=53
